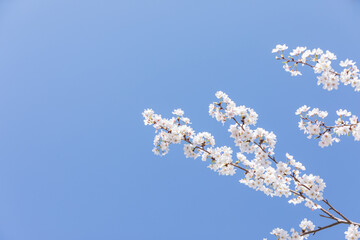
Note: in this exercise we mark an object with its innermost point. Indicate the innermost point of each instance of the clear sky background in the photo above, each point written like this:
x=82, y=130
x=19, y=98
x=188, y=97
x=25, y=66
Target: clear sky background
x=75, y=157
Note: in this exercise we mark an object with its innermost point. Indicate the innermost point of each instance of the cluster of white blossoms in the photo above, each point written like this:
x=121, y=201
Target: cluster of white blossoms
x=312, y=123
x=260, y=174
x=248, y=115
x=223, y=163
x=320, y=61
x=170, y=130
x=305, y=225
x=352, y=233
x=177, y=129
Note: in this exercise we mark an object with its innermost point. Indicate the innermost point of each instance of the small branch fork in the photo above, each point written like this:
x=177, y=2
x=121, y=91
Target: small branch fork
x=342, y=220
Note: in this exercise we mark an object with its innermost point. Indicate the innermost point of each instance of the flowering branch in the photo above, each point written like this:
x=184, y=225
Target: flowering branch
x=329, y=78
x=259, y=174
x=312, y=123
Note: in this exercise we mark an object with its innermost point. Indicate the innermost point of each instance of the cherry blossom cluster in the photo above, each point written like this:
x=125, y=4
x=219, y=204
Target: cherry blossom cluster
x=262, y=171
x=320, y=61
x=177, y=129
x=247, y=115
x=312, y=123
x=305, y=225
x=260, y=174
x=352, y=233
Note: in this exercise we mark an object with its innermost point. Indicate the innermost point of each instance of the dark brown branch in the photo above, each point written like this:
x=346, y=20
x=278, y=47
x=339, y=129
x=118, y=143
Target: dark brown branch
x=321, y=228
x=332, y=208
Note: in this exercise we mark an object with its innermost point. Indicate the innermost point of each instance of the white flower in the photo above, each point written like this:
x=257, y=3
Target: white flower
x=354, y=119
x=352, y=232
x=220, y=94
x=204, y=138
x=314, y=129
x=342, y=130
x=330, y=55
x=329, y=80
x=298, y=51
x=302, y=126
x=302, y=110
x=356, y=133
x=280, y=233
x=178, y=112
x=185, y=120
x=286, y=67
x=326, y=140
x=317, y=51
x=346, y=63
x=307, y=225
x=279, y=48
x=344, y=113
x=314, y=111
x=295, y=73
x=323, y=114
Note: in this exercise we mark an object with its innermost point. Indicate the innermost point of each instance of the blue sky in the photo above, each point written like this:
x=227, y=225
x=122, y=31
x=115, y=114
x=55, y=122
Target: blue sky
x=75, y=157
